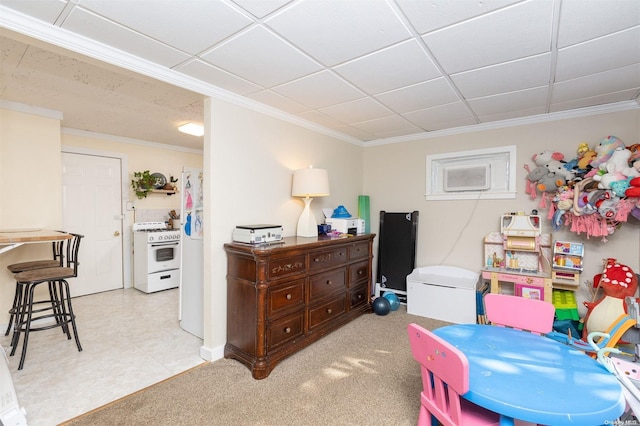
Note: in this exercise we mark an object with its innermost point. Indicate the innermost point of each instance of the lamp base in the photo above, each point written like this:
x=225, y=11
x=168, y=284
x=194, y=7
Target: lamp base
x=307, y=225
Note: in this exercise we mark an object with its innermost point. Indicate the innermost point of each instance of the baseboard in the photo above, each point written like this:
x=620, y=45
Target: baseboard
x=211, y=354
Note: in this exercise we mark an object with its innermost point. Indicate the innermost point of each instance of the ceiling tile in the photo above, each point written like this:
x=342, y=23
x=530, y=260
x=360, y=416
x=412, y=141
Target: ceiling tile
x=379, y=71
x=608, y=98
x=319, y=90
x=430, y=15
x=506, y=77
x=185, y=24
x=509, y=115
x=321, y=119
x=432, y=118
x=481, y=42
x=277, y=101
x=355, y=133
x=259, y=56
x=47, y=11
x=355, y=111
x=505, y=102
x=419, y=96
x=582, y=20
x=602, y=54
x=261, y=8
x=334, y=31
x=597, y=84
x=220, y=78
x=90, y=25
x=386, y=124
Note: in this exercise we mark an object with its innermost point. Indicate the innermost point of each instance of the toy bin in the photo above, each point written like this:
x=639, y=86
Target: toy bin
x=446, y=293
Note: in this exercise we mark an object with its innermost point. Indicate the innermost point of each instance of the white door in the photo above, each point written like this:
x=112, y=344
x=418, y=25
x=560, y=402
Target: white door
x=91, y=201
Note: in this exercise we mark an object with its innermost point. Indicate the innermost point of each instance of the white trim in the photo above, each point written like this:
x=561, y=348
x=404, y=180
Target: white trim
x=534, y=119
x=124, y=183
x=131, y=141
x=30, y=109
x=436, y=165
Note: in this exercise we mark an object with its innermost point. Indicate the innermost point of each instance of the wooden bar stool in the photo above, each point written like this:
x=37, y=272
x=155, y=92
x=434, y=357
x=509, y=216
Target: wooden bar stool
x=15, y=268
x=30, y=313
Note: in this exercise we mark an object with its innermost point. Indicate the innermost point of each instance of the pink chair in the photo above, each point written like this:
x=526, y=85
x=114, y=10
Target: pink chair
x=521, y=313
x=445, y=376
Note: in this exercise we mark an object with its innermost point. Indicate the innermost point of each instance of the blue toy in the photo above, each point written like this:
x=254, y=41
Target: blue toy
x=381, y=306
x=394, y=302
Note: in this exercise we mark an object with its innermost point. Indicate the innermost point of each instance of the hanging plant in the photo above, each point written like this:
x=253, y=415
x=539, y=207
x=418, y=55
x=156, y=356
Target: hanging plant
x=142, y=183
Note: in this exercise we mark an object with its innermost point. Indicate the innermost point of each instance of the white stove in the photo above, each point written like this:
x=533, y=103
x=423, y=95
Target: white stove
x=156, y=257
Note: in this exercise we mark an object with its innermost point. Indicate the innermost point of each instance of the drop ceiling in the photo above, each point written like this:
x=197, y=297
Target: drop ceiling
x=367, y=71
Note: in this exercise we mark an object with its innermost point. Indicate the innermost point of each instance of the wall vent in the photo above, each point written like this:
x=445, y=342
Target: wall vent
x=467, y=178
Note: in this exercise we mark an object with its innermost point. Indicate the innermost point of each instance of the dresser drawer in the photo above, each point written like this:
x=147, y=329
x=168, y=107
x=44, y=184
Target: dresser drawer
x=358, y=273
x=286, y=297
x=321, y=285
x=358, y=295
x=285, y=329
x=286, y=266
x=327, y=258
x=359, y=251
x=326, y=312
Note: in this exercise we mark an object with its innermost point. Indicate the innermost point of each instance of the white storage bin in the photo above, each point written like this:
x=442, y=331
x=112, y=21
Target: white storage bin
x=446, y=293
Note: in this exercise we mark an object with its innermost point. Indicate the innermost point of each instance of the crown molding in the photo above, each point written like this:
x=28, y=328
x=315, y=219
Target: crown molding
x=40, y=30
x=30, y=109
x=534, y=119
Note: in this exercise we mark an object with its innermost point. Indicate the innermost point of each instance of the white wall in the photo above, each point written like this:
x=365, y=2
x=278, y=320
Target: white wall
x=451, y=232
x=249, y=161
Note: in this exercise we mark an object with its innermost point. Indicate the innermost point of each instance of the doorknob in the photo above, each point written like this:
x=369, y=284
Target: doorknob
x=116, y=234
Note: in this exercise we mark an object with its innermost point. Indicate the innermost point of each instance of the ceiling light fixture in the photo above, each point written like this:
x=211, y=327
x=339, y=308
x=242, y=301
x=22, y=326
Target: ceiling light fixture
x=194, y=129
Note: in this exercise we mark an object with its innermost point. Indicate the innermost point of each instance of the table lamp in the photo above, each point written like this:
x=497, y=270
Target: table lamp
x=309, y=183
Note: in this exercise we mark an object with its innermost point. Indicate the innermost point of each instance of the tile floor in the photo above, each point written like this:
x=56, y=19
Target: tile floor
x=130, y=340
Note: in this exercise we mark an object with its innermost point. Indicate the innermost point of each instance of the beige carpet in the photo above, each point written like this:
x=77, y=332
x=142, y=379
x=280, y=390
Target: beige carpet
x=361, y=374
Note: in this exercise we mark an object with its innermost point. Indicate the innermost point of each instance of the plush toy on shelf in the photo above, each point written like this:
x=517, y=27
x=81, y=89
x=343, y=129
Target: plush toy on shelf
x=617, y=282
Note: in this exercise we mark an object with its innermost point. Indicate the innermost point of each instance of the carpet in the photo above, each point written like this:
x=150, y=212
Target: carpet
x=361, y=374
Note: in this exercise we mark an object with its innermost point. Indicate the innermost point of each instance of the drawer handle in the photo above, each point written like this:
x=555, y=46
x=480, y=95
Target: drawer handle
x=329, y=282
x=329, y=311
x=287, y=330
x=360, y=272
x=289, y=296
x=359, y=297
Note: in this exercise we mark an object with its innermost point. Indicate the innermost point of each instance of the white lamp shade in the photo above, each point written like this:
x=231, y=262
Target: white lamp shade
x=310, y=182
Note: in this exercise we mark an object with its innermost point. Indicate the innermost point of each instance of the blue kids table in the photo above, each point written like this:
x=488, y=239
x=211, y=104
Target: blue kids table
x=533, y=378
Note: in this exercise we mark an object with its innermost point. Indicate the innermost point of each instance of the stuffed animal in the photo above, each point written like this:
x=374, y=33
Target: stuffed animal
x=540, y=178
x=613, y=168
x=634, y=188
x=617, y=281
x=604, y=150
x=550, y=182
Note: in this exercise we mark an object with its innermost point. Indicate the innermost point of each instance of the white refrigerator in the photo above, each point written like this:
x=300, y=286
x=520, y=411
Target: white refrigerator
x=191, y=256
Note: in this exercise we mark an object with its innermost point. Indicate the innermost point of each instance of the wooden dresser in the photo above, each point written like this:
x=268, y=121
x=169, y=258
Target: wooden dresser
x=285, y=296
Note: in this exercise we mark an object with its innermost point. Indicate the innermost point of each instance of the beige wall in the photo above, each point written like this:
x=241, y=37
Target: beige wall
x=451, y=232
x=31, y=194
x=249, y=162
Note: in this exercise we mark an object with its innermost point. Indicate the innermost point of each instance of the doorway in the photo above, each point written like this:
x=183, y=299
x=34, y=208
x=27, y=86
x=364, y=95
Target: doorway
x=92, y=203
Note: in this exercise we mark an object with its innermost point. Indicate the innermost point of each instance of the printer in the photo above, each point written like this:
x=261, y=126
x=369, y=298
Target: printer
x=353, y=226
